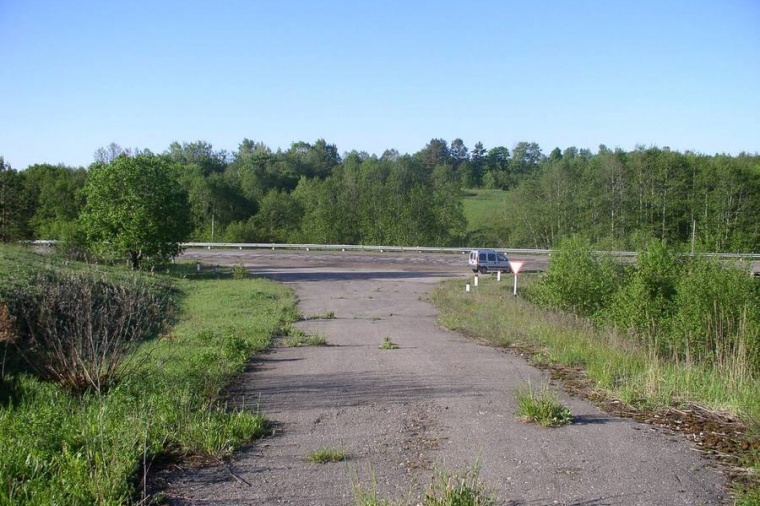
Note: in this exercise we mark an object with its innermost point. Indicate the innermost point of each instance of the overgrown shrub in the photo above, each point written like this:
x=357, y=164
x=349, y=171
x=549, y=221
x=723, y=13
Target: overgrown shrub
x=682, y=308
x=73, y=242
x=79, y=331
x=717, y=316
x=7, y=336
x=577, y=280
x=646, y=298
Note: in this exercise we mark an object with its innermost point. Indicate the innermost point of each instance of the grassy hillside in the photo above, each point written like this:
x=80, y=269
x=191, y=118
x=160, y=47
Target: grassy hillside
x=486, y=224
x=65, y=448
x=482, y=207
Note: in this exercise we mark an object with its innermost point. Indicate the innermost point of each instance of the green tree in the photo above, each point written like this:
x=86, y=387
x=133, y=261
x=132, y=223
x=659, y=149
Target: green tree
x=198, y=153
x=555, y=155
x=113, y=151
x=12, y=216
x=249, y=169
x=526, y=157
x=317, y=160
x=436, y=152
x=496, y=170
x=458, y=152
x=477, y=163
x=278, y=218
x=54, y=194
x=136, y=210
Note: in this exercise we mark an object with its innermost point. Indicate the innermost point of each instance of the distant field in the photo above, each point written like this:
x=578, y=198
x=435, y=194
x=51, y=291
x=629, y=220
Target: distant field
x=480, y=206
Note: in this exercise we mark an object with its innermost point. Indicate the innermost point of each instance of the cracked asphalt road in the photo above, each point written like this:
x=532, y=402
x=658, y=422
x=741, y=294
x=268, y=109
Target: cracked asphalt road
x=439, y=401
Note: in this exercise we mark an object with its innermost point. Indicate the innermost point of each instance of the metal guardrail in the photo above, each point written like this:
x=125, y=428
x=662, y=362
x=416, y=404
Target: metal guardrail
x=359, y=247
x=426, y=249
x=408, y=249
x=324, y=247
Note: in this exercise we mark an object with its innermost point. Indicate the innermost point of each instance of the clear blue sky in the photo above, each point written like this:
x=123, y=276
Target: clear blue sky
x=370, y=75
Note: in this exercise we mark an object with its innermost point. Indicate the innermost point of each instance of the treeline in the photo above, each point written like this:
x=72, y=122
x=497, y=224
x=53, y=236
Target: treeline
x=622, y=200
x=310, y=193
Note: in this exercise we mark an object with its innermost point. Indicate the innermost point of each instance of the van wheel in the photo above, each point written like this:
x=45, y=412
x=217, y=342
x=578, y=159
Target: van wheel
x=484, y=270
x=475, y=270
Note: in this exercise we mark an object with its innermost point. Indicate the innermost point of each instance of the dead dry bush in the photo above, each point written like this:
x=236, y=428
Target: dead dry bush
x=7, y=335
x=81, y=332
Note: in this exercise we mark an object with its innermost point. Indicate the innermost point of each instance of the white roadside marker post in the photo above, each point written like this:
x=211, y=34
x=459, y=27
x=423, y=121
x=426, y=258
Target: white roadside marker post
x=516, y=266
x=467, y=288
x=475, y=281
x=498, y=275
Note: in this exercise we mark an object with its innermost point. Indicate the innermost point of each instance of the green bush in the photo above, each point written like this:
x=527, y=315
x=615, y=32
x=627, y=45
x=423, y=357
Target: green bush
x=717, y=316
x=647, y=296
x=577, y=279
x=681, y=308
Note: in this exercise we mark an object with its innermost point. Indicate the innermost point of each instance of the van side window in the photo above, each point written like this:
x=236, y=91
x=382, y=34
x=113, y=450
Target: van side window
x=502, y=258
x=482, y=257
x=491, y=257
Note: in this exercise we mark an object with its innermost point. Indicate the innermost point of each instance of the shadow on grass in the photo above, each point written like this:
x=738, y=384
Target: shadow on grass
x=9, y=391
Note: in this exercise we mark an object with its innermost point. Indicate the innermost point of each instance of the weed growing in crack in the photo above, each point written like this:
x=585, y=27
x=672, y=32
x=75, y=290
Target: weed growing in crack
x=298, y=338
x=388, y=344
x=446, y=489
x=457, y=489
x=541, y=406
x=327, y=454
x=324, y=315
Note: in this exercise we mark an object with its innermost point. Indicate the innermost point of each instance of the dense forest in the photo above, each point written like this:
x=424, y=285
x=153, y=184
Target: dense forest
x=309, y=193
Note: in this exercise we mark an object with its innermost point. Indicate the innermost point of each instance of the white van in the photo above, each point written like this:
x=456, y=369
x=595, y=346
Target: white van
x=483, y=260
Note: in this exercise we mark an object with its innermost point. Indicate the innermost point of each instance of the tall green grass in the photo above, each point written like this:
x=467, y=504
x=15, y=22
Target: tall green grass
x=59, y=448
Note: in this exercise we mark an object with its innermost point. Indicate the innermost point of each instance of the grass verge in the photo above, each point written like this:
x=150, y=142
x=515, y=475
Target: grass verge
x=98, y=449
x=607, y=368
